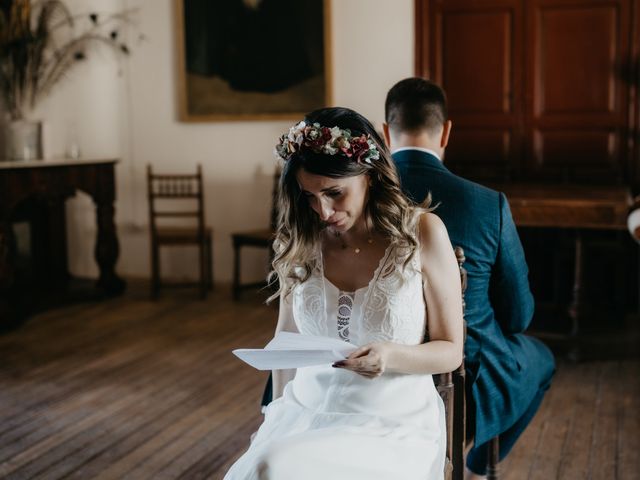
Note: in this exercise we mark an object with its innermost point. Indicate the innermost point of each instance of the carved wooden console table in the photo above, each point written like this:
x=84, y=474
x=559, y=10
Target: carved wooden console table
x=48, y=183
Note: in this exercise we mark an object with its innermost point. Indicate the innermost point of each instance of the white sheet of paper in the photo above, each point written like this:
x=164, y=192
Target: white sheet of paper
x=294, y=350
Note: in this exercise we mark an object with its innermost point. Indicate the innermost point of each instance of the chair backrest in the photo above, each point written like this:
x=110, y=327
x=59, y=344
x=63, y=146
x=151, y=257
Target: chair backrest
x=450, y=386
x=162, y=188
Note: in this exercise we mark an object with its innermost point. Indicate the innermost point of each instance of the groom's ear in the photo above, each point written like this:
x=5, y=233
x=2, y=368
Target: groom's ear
x=387, y=136
x=446, y=131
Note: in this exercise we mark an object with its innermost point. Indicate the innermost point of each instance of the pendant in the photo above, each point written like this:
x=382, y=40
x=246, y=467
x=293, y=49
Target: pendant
x=357, y=250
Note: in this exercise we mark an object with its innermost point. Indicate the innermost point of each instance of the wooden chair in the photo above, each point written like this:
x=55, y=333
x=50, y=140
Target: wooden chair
x=451, y=386
x=261, y=238
x=185, y=190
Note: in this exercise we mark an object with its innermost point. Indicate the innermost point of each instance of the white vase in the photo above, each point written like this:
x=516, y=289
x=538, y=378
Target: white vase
x=23, y=140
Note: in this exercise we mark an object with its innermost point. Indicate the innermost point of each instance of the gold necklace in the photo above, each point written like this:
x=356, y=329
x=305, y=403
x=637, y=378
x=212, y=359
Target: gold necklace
x=345, y=245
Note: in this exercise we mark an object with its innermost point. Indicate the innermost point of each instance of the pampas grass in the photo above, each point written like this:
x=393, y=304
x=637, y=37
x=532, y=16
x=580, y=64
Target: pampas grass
x=40, y=44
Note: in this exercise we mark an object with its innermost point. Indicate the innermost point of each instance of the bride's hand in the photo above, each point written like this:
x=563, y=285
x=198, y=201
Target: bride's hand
x=370, y=361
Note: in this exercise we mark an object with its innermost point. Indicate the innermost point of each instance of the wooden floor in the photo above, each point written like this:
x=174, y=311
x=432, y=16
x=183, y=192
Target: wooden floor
x=129, y=388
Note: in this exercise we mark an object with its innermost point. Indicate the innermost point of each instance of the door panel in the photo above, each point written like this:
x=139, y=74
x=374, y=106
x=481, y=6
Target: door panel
x=487, y=157
x=538, y=90
x=577, y=100
x=477, y=49
x=575, y=54
x=482, y=82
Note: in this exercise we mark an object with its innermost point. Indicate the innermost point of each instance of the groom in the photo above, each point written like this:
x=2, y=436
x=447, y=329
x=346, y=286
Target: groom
x=507, y=372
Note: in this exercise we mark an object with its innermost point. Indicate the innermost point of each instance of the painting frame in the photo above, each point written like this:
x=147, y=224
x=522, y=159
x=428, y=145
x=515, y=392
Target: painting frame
x=184, y=115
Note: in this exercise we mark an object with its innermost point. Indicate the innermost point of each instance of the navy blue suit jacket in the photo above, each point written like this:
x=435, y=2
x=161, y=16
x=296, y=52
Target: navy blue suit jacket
x=505, y=368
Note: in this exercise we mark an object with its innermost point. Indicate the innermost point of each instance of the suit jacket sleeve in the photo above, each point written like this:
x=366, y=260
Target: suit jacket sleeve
x=509, y=288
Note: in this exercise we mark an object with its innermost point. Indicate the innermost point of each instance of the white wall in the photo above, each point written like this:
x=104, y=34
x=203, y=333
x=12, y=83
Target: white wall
x=87, y=107
x=133, y=116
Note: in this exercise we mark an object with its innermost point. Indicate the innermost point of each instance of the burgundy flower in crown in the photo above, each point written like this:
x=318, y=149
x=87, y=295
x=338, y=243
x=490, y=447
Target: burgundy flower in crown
x=360, y=147
x=329, y=141
x=316, y=137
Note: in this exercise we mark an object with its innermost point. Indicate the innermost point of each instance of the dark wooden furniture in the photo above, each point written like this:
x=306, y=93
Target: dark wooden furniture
x=168, y=228
x=545, y=92
x=35, y=192
x=568, y=206
x=538, y=90
x=451, y=387
x=576, y=208
x=260, y=238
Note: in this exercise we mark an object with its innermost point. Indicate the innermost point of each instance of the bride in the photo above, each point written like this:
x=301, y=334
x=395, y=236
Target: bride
x=355, y=261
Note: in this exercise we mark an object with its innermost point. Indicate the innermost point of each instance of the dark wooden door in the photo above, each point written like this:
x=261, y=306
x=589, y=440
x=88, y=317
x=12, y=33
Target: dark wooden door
x=539, y=90
x=544, y=92
x=476, y=51
x=577, y=102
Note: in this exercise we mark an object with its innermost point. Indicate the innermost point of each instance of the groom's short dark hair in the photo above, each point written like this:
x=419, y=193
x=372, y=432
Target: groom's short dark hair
x=415, y=104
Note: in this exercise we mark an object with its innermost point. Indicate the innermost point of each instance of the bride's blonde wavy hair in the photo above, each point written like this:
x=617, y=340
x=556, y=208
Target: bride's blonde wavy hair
x=298, y=229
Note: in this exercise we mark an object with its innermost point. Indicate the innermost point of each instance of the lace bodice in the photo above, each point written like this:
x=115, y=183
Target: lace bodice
x=391, y=308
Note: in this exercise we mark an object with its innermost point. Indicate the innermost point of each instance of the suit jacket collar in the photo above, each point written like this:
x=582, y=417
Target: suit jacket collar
x=414, y=156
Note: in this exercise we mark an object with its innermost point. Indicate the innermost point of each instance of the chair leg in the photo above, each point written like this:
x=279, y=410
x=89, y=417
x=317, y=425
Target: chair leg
x=236, y=271
x=459, y=423
x=210, y=264
x=493, y=458
x=203, y=270
x=155, y=270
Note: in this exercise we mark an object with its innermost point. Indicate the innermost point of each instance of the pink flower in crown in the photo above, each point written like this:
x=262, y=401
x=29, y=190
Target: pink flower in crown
x=342, y=143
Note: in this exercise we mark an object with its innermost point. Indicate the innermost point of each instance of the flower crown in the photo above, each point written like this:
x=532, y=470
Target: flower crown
x=329, y=141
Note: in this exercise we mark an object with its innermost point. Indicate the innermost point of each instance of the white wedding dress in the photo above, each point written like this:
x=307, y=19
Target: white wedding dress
x=334, y=424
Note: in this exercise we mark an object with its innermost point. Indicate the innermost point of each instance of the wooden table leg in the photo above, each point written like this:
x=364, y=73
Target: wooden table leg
x=576, y=298
x=15, y=301
x=575, y=308
x=107, y=249
x=6, y=275
x=54, y=247
x=6, y=272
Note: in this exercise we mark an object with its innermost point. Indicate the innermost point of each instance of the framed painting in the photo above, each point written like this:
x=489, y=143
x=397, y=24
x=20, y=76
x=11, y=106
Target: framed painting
x=252, y=59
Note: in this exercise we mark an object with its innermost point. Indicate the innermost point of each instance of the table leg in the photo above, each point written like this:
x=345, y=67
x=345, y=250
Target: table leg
x=14, y=301
x=55, y=243
x=6, y=273
x=575, y=308
x=107, y=249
